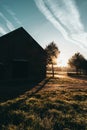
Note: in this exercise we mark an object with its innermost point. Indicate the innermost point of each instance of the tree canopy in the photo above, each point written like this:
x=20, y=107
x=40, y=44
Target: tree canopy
x=52, y=53
x=79, y=62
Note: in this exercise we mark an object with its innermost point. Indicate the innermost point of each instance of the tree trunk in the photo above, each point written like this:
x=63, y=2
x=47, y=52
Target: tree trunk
x=77, y=71
x=52, y=70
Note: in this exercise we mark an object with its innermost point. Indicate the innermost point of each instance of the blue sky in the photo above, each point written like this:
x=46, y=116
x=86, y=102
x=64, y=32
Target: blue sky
x=61, y=21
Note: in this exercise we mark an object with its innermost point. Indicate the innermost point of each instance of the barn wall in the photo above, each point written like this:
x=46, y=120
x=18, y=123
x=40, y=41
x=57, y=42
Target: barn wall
x=30, y=57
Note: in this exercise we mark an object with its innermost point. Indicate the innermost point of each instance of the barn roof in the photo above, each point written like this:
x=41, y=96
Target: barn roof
x=19, y=34
x=19, y=44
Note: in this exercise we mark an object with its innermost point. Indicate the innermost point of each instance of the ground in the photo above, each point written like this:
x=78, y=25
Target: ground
x=58, y=103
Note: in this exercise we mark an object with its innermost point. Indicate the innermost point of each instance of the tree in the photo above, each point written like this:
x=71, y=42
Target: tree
x=77, y=61
x=84, y=66
x=52, y=54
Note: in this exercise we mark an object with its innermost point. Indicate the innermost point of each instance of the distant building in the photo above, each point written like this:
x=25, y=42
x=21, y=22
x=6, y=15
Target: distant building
x=21, y=57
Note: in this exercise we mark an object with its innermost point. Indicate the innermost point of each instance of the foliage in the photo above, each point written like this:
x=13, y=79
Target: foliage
x=84, y=66
x=52, y=54
x=79, y=62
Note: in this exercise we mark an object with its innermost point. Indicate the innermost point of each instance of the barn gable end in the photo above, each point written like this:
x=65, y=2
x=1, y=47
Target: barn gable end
x=21, y=57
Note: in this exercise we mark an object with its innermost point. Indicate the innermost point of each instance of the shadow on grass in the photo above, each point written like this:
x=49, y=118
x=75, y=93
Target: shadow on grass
x=45, y=81
x=38, y=113
x=78, y=76
x=12, y=89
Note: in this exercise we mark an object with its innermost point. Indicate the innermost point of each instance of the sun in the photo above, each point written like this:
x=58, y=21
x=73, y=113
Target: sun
x=61, y=62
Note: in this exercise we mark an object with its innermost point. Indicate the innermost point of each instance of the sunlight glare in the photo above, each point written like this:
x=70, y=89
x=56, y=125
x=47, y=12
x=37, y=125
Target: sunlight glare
x=61, y=62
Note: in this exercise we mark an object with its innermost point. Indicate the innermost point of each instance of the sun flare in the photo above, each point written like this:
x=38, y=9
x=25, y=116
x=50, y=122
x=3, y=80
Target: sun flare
x=61, y=62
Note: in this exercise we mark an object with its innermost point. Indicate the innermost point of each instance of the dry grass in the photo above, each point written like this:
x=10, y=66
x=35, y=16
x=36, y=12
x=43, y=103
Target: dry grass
x=61, y=104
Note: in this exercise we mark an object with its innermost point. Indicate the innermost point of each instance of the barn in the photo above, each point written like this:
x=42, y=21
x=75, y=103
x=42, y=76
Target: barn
x=21, y=57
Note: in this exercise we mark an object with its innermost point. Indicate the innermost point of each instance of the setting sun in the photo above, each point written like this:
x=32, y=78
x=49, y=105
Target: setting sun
x=61, y=61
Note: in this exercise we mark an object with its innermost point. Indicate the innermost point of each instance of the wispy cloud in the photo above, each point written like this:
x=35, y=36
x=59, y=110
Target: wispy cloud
x=13, y=15
x=2, y=31
x=10, y=21
x=64, y=15
x=9, y=25
x=43, y=8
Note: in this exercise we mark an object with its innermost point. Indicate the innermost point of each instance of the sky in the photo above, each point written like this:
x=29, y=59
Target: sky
x=61, y=21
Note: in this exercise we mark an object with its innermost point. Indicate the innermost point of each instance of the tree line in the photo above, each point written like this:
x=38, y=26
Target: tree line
x=77, y=61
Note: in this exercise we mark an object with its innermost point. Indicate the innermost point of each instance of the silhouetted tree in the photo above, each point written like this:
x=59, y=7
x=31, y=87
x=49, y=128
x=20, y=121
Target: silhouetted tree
x=84, y=66
x=52, y=54
x=77, y=61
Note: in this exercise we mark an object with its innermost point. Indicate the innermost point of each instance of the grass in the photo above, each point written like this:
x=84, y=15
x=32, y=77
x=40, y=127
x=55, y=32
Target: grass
x=60, y=105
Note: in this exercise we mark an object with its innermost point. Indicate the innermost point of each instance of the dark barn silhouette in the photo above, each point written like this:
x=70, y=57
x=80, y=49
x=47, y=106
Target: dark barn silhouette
x=21, y=57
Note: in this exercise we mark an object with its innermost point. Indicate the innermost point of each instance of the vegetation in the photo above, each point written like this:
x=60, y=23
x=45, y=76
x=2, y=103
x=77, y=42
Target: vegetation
x=59, y=105
x=52, y=54
x=79, y=63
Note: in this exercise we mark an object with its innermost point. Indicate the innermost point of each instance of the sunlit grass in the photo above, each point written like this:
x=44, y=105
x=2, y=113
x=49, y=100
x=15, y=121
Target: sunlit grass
x=59, y=105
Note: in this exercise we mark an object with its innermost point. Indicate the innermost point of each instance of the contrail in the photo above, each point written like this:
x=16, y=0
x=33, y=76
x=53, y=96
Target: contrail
x=2, y=31
x=12, y=14
x=42, y=7
x=9, y=25
x=66, y=18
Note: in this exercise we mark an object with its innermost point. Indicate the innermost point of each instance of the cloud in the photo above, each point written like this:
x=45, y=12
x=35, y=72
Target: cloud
x=9, y=25
x=2, y=31
x=42, y=7
x=64, y=15
x=12, y=14
x=9, y=19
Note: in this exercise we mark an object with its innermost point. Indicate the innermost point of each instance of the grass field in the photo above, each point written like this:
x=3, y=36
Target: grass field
x=54, y=104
